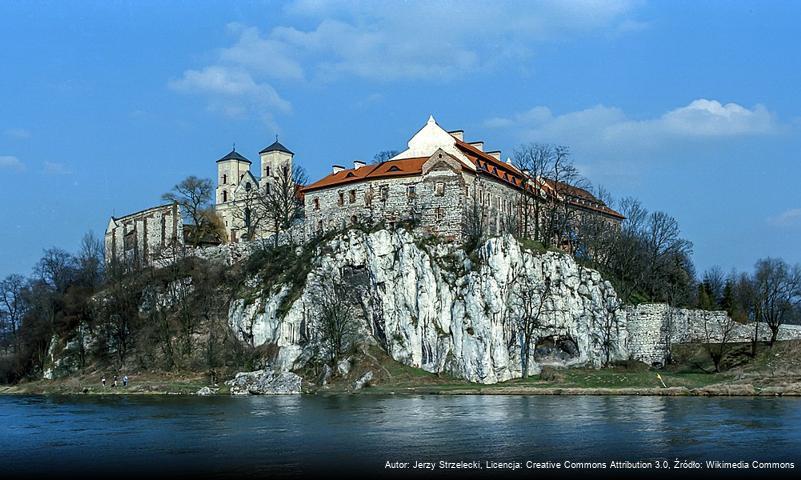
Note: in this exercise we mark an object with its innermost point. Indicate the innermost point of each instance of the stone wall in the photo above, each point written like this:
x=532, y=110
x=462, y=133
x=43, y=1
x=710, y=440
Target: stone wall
x=140, y=238
x=649, y=324
x=392, y=200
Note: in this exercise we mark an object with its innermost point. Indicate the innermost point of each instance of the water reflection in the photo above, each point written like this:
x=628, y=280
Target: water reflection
x=264, y=433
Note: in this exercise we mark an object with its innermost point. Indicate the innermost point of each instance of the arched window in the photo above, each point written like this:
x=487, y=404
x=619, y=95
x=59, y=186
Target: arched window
x=225, y=196
x=247, y=187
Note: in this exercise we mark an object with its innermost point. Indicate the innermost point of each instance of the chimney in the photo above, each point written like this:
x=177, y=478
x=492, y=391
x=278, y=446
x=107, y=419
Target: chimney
x=458, y=134
x=509, y=160
x=478, y=145
x=496, y=154
x=357, y=164
x=338, y=168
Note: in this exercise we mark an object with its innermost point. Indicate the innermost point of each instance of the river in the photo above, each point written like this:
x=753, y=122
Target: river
x=303, y=434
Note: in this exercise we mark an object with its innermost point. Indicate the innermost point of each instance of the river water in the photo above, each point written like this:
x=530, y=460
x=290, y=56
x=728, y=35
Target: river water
x=303, y=434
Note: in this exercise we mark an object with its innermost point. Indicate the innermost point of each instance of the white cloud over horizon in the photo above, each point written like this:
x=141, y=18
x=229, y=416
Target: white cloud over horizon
x=611, y=127
x=19, y=133
x=55, y=168
x=787, y=218
x=11, y=162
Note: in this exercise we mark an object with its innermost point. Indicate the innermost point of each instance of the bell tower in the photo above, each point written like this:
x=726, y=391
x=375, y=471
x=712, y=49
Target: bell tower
x=275, y=160
x=230, y=170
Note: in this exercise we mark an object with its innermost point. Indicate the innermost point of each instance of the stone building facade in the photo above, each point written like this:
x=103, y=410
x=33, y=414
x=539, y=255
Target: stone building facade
x=140, y=238
x=237, y=186
x=441, y=185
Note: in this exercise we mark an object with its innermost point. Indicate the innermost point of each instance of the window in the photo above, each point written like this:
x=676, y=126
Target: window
x=439, y=214
x=384, y=192
x=341, y=198
x=225, y=196
x=439, y=189
x=316, y=203
x=247, y=187
x=368, y=197
x=319, y=226
x=353, y=220
x=285, y=170
x=247, y=217
x=267, y=189
x=267, y=171
x=410, y=191
x=352, y=196
x=225, y=179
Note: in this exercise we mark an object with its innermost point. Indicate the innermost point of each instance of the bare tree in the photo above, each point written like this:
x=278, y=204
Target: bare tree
x=280, y=198
x=12, y=307
x=718, y=333
x=528, y=303
x=535, y=161
x=384, y=155
x=475, y=222
x=338, y=309
x=194, y=196
x=90, y=260
x=778, y=292
x=610, y=330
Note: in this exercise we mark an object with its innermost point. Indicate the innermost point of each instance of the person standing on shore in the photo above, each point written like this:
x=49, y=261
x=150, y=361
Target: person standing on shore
x=125, y=380
x=115, y=382
x=103, y=381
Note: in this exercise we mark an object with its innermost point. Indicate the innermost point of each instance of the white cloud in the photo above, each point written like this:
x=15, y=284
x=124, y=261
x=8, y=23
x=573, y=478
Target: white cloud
x=609, y=126
x=787, y=218
x=11, y=162
x=388, y=41
x=19, y=133
x=55, y=168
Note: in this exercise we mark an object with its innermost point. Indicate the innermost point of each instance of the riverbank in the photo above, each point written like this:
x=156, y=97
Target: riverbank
x=775, y=372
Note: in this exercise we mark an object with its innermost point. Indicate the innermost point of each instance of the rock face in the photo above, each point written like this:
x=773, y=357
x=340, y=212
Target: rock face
x=264, y=382
x=436, y=308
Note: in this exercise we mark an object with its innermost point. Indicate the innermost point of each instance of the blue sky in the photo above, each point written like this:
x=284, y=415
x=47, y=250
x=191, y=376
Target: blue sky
x=692, y=107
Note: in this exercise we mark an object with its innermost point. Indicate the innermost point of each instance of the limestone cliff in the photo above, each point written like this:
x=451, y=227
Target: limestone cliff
x=435, y=307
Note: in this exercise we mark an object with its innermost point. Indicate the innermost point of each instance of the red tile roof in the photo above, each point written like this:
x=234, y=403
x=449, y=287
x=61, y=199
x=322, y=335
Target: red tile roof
x=391, y=168
x=484, y=163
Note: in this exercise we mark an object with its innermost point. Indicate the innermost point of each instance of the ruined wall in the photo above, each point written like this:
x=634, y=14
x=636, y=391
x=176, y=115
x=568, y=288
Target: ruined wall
x=649, y=324
x=140, y=238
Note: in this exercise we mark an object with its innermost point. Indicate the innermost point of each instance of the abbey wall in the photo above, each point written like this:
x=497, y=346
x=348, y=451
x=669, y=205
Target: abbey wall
x=653, y=327
x=141, y=238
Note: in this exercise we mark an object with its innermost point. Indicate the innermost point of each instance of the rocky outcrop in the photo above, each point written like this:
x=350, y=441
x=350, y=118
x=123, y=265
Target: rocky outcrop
x=437, y=308
x=265, y=382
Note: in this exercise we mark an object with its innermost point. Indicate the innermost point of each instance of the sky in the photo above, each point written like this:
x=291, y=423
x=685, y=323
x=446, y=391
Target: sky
x=691, y=107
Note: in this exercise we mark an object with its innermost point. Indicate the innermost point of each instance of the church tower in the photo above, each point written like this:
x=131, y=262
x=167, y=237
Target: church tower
x=274, y=159
x=231, y=169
